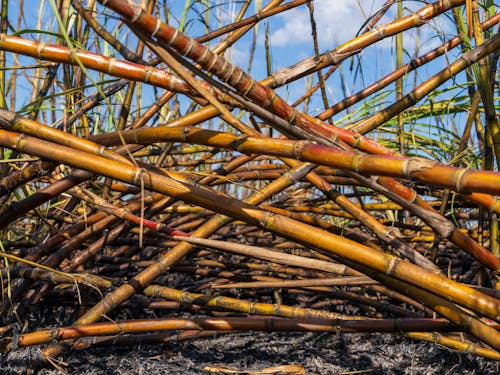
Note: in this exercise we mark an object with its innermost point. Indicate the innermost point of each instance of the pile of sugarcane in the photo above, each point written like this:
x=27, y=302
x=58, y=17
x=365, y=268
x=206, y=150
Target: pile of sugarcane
x=220, y=200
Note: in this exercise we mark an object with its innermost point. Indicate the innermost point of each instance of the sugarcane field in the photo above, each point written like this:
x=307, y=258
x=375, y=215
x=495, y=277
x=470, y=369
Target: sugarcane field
x=275, y=187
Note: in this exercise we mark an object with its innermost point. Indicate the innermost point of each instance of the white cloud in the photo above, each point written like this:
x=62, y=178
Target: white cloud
x=237, y=56
x=337, y=21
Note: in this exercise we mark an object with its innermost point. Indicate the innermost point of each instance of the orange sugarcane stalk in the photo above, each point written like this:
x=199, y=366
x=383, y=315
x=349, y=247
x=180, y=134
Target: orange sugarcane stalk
x=414, y=168
x=226, y=324
x=108, y=65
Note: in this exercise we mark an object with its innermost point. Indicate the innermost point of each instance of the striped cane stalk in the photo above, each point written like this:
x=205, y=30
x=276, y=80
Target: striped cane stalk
x=232, y=324
x=117, y=68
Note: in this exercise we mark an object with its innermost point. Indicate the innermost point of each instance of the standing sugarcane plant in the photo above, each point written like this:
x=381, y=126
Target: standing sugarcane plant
x=134, y=150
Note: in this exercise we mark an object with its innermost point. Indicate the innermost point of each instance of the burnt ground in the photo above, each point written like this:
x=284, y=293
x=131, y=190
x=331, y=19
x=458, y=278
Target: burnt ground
x=318, y=353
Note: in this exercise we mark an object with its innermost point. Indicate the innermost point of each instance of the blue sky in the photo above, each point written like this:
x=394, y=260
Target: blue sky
x=290, y=35
x=290, y=40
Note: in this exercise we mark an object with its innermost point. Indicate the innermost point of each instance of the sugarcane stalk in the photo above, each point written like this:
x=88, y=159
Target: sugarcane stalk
x=454, y=343
x=414, y=168
x=232, y=324
x=281, y=225
x=331, y=281
x=118, y=68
